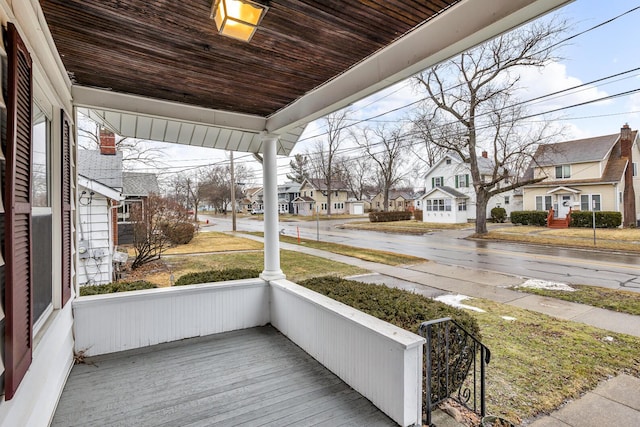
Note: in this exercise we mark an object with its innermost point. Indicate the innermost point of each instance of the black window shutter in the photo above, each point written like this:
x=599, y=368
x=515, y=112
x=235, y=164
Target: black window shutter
x=66, y=209
x=18, y=269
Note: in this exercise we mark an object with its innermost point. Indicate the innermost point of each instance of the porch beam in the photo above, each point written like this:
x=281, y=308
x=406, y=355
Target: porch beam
x=464, y=26
x=120, y=102
x=272, y=269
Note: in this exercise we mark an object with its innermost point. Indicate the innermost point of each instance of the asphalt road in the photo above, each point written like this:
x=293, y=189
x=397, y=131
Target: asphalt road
x=573, y=266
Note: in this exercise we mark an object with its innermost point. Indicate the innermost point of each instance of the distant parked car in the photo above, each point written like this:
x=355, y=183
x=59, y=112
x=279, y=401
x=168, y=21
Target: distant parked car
x=257, y=211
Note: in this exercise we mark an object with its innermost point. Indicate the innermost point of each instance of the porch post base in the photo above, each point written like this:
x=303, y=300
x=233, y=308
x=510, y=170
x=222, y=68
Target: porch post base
x=272, y=275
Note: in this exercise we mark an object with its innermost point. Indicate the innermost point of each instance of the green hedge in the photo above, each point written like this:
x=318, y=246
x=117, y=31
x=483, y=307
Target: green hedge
x=110, y=288
x=405, y=310
x=604, y=219
x=389, y=216
x=402, y=308
x=538, y=218
x=217, y=276
x=499, y=214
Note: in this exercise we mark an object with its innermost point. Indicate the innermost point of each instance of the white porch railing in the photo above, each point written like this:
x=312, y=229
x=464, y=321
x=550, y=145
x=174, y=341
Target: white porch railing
x=381, y=361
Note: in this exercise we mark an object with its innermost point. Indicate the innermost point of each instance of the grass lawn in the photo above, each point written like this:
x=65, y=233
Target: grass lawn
x=410, y=226
x=383, y=257
x=609, y=239
x=538, y=361
x=295, y=265
x=215, y=242
x=610, y=299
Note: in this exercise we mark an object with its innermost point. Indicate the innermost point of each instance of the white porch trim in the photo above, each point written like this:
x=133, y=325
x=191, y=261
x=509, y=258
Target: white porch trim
x=465, y=25
x=565, y=190
x=272, y=269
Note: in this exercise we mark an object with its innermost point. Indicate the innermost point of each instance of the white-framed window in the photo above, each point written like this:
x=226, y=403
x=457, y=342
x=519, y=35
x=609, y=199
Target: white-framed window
x=438, y=205
x=448, y=161
x=589, y=202
x=437, y=181
x=635, y=169
x=462, y=205
x=462, y=180
x=563, y=171
x=311, y=194
x=506, y=200
x=543, y=203
x=41, y=215
x=323, y=207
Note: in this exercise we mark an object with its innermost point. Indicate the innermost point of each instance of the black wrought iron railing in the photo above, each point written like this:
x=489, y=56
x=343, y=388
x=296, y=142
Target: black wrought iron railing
x=454, y=367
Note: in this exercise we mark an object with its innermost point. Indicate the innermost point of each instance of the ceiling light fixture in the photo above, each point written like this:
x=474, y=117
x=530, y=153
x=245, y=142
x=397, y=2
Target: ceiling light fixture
x=238, y=19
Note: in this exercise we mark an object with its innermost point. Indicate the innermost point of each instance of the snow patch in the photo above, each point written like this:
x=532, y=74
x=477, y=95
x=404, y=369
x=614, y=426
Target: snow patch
x=456, y=301
x=509, y=318
x=544, y=284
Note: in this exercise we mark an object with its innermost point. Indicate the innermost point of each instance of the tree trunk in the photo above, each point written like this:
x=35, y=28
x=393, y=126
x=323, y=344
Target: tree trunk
x=481, y=212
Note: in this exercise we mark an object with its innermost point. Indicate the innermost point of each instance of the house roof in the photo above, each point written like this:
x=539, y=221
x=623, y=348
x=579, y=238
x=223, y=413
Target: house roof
x=447, y=190
x=289, y=187
x=485, y=165
x=165, y=74
x=594, y=149
x=302, y=199
x=104, y=169
x=319, y=184
x=139, y=184
x=99, y=188
x=577, y=151
x=393, y=194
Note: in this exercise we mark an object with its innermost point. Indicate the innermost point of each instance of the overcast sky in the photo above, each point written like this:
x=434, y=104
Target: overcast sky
x=608, y=50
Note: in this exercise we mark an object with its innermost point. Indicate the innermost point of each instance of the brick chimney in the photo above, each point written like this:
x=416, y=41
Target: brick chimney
x=629, y=195
x=485, y=154
x=107, y=142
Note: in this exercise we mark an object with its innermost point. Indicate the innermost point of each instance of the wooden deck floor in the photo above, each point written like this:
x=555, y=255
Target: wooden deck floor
x=251, y=377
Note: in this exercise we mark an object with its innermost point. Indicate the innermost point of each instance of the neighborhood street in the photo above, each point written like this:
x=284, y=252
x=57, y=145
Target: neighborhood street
x=574, y=266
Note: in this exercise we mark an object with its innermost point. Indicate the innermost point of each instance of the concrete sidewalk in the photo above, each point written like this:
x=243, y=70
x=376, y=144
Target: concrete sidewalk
x=613, y=403
x=431, y=277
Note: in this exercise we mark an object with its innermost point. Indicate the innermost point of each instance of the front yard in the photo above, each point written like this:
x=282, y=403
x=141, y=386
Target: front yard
x=617, y=239
x=538, y=362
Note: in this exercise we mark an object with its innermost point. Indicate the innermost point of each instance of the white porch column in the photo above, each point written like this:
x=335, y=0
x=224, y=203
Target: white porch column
x=272, y=269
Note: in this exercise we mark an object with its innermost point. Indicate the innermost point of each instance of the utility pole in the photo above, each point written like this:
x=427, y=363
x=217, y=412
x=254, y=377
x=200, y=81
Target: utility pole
x=233, y=193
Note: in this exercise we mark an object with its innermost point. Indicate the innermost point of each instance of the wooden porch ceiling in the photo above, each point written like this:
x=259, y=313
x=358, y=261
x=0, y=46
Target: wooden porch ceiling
x=170, y=49
x=307, y=58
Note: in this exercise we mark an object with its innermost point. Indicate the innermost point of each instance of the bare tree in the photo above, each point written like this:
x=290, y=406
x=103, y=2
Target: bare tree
x=215, y=183
x=357, y=174
x=154, y=224
x=386, y=147
x=471, y=106
x=324, y=158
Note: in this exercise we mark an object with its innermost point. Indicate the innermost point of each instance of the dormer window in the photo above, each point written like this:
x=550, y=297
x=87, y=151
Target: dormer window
x=448, y=161
x=563, y=171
